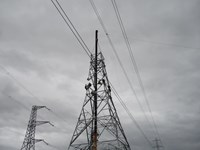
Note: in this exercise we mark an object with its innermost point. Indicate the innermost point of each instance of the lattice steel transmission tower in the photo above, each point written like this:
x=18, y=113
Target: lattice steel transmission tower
x=98, y=125
x=29, y=140
x=157, y=144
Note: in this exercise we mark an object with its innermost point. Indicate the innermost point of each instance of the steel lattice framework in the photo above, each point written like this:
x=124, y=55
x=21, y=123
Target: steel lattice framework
x=29, y=140
x=110, y=133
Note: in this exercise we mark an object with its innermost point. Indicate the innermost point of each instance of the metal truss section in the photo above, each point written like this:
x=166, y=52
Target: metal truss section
x=29, y=140
x=110, y=132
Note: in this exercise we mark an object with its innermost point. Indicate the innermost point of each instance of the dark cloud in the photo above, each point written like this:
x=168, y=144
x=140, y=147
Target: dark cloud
x=7, y=147
x=39, y=51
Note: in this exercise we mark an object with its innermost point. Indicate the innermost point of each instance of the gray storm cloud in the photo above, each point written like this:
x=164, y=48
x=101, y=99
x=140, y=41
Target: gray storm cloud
x=46, y=61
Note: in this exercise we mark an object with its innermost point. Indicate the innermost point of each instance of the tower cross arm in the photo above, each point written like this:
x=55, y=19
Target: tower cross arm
x=43, y=122
x=40, y=107
x=41, y=140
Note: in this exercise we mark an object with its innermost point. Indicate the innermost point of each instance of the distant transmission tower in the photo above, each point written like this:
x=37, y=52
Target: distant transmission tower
x=29, y=140
x=157, y=145
x=98, y=125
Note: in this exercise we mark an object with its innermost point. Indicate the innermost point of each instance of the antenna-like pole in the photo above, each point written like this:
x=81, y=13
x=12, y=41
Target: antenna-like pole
x=94, y=144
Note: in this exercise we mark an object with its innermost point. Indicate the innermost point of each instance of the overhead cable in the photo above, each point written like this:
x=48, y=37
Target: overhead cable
x=130, y=115
x=134, y=64
x=20, y=84
x=117, y=56
x=71, y=26
x=29, y=92
x=166, y=44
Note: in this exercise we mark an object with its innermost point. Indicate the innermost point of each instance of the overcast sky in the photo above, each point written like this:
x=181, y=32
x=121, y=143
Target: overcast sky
x=44, y=61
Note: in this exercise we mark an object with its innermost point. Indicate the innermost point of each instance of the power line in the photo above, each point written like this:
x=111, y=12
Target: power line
x=103, y=29
x=77, y=39
x=21, y=104
x=19, y=83
x=29, y=92
x=71, y=26
x=134, y=64
x=167, y=44
x=115, y=52
x=18, y=102
x=109, y=41
x=99, y=17
x=130, y=115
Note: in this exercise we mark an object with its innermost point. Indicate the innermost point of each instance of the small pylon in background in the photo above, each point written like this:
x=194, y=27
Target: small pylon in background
x=157, y=144
x=29, y=140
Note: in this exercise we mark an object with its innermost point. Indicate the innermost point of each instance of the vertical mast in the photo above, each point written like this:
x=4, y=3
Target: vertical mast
x=95, y=93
